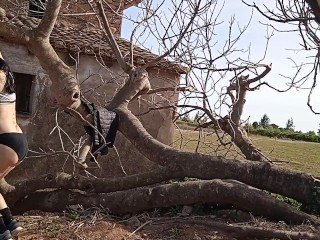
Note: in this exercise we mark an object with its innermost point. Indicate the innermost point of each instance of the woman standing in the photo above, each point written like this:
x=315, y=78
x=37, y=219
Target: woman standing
x=13, y=144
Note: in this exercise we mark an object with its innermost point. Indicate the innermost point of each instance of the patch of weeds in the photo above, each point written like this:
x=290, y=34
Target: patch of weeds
x=175, y=231
x=72, y=214
x=55, y=230
x=290, y=201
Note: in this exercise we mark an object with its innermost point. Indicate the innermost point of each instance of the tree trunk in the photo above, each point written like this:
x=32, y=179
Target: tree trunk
x=240, y=138
x=293, y=184
x=137, y=200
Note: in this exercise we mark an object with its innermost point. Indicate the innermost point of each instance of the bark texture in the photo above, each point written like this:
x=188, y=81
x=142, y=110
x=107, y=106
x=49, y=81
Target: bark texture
x=185, y=193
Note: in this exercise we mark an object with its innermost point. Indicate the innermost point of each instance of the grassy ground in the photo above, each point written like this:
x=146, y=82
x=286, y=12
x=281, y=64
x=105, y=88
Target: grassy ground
x=302, y=156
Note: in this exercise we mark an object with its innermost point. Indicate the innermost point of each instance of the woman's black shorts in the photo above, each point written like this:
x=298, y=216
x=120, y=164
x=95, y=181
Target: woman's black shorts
x=16, y=141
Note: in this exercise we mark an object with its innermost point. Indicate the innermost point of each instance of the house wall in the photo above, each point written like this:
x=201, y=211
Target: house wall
x=39, y=125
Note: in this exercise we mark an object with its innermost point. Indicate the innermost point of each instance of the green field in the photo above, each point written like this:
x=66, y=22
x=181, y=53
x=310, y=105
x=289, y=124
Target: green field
x=302, y=156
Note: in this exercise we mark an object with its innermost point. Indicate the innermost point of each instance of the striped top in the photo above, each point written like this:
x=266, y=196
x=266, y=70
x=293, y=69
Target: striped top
x=6, y=98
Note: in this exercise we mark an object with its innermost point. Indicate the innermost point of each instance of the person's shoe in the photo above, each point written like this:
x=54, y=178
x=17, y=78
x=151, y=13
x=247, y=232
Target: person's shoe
x=14, y=228
x=6, y=235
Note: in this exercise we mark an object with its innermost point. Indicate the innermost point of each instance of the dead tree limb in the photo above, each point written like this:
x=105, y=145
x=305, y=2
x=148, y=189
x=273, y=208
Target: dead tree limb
x=185, y=193
x=260, y=175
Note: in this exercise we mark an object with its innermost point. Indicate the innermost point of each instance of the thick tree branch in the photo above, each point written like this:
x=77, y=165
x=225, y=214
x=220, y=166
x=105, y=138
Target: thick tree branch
x=49, y=19
x=267, y=177
x=64, y=85
x=13, y=34
x=137, y=84
x=262, y=75
x=232, y=192
x=94, y=185
x=239, y=85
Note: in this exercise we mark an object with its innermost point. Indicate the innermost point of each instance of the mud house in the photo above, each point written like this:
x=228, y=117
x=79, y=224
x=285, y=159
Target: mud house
x=82, y=47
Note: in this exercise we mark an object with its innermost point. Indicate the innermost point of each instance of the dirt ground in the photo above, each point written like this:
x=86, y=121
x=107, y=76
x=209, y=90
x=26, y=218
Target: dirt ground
x=98, y=224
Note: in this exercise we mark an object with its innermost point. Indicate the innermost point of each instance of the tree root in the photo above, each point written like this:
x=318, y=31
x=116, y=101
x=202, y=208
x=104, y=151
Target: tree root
x=240, y=195
x=244, y=232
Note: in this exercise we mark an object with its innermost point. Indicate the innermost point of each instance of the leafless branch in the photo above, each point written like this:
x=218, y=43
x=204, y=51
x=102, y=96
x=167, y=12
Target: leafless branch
x=111, y=40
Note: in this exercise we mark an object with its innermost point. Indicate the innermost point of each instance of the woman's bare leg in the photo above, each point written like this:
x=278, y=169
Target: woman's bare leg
x=8, y=160
x=9, y=169
x=3, y=203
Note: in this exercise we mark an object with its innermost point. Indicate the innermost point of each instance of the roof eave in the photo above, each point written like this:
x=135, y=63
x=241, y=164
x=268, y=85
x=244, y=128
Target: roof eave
x=128, y=4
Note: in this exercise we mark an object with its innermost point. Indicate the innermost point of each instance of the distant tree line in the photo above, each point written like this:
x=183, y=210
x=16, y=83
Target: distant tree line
x=265, y=128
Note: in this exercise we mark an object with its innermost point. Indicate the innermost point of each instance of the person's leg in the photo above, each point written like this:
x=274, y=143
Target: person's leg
x=8, y=160
x=9, y=222
x=4, y=232
x=3, y=203
x=9, y=169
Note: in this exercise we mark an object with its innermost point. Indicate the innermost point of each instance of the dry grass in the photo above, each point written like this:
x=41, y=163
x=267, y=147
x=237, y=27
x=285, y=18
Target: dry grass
x=147, y=226
x=297, y=155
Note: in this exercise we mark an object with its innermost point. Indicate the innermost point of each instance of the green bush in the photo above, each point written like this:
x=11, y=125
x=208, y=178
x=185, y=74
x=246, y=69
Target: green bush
x=282, y=133
x=290, y=201
x=271, y=131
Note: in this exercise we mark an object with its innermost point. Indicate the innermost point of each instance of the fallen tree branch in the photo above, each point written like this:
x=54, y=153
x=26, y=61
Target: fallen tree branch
x=185, y=193
x=293, y=184
x=90, y=185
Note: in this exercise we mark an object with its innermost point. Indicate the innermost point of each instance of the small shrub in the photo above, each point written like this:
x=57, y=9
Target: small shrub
x=290, y=201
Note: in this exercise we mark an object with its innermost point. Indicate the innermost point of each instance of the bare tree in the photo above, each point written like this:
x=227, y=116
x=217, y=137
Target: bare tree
x=302, y=17
x=212, y=88
x=249, y=179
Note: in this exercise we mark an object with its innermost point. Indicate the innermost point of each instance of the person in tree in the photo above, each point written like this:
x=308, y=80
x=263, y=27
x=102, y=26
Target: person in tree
x=13, y=145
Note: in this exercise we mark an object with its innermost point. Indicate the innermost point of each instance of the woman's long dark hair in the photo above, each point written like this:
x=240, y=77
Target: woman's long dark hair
x=9, y=86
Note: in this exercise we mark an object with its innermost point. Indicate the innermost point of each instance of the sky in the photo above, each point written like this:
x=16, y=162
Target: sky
x=282, y=46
